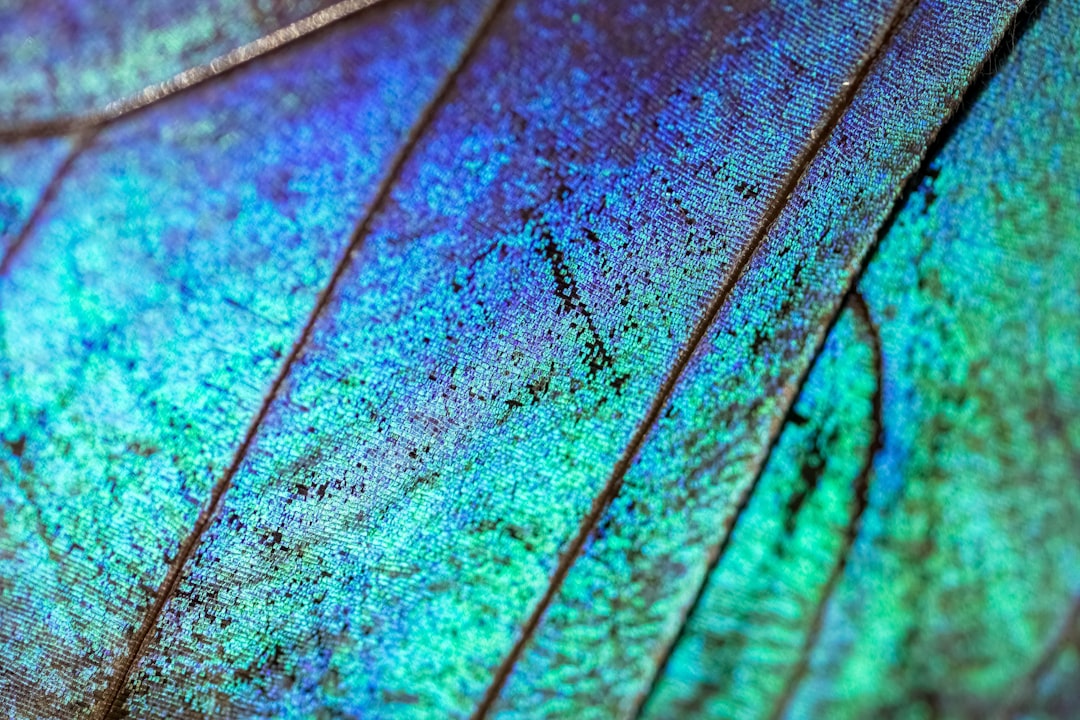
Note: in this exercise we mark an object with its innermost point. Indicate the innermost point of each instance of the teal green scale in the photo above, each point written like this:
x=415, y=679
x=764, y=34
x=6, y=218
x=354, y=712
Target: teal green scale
x=604, y=191
x=148, y=310
x=744, y=643
x=958, y=598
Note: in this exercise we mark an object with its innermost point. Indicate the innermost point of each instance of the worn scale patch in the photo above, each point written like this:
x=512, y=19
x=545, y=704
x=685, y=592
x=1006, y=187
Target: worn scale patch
x=418, y=368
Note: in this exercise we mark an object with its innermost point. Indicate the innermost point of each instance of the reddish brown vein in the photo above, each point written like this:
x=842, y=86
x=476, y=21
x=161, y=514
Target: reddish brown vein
x=719, y=551
x=112, y=707
x=611, y=489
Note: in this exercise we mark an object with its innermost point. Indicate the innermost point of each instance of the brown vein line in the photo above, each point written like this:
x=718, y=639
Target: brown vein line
x=819, y=137
x=715, y=557
x=718, y=552
x=861, y=486
x=81, y=143
x=192, y=76
x=114, y=697
x=1017, y=28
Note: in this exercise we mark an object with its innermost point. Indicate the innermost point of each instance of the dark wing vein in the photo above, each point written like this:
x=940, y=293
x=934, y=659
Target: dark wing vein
x=81, y=142
x=855, y=302
x=1070, y=630
x=614, y=482
x=112, y=706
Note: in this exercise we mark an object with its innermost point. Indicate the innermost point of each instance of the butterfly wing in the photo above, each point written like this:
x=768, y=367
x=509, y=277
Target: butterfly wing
x=644, y=560
x=66, y=60
x=476, y=454
x=958, y=591
x=146, y=314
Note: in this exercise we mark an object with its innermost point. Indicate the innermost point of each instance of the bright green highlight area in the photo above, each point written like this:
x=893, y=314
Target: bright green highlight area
x=967, y=558
x=743, y=644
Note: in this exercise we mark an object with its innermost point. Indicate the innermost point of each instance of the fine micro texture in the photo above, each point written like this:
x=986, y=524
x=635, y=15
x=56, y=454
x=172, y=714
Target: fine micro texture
x=65, y=58
x=26, y=169
x=742, y=646
x=643, y=563
x=536, y=271
x=508, y=358
x=960, y=596
x=1049, y=691
x=146, y=315
x=968, y=563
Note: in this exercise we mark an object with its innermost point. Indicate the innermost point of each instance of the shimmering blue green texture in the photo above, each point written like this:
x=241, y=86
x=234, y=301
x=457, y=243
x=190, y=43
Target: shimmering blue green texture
x=148, y=312
x=66, y=58
x=539, y=265
x=744, y=644
x=969, y=558
x=959, y=596
x=605, y=191
x=26, y=169
x=642, y=564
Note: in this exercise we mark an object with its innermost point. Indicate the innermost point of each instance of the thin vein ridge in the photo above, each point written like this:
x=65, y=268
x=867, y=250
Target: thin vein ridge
x=607, y=494
x=186, y=79
x=112, y=707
